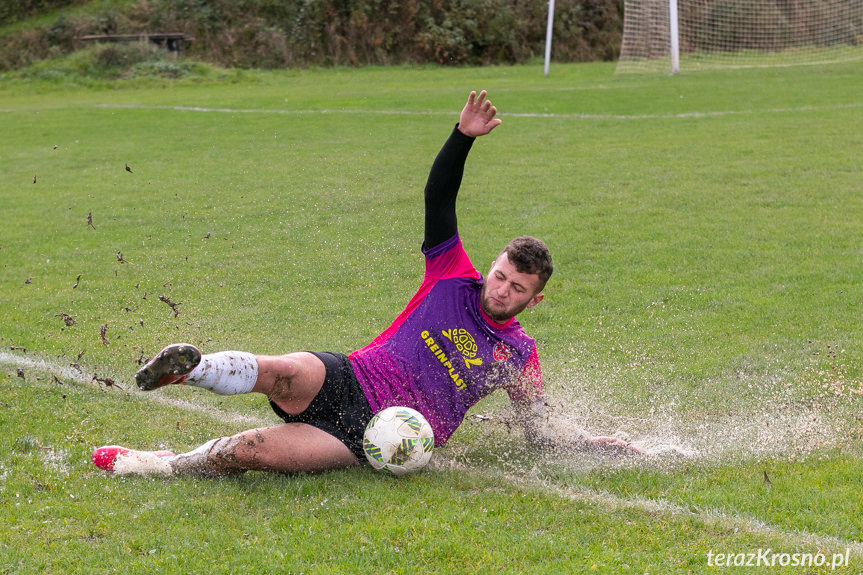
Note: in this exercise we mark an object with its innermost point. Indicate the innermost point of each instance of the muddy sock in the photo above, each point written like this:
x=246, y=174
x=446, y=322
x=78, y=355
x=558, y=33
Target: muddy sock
x=196, y=462
x=225, y=372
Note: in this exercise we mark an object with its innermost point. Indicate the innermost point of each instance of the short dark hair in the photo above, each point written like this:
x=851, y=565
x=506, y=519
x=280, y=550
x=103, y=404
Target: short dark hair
x=530, y=255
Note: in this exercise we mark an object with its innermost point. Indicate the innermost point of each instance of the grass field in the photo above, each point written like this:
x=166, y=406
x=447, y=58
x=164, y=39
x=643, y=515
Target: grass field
x=706, y=303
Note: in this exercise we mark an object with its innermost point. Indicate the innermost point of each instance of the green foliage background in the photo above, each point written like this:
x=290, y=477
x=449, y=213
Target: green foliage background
x=277, y=34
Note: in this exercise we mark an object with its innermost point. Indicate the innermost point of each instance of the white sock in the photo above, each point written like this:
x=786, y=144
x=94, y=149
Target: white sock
x=194, y=462
x=226, y=372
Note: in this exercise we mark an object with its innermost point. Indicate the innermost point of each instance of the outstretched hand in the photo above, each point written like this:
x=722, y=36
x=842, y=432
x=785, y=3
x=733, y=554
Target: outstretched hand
x=612, y=446
x=478, y=116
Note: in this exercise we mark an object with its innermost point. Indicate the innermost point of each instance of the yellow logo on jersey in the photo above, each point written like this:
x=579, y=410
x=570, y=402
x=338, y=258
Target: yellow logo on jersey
x=466, y=344
x=439, y=353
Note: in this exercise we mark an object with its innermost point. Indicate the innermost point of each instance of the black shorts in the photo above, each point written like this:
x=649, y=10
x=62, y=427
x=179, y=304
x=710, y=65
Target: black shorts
x=340, y=408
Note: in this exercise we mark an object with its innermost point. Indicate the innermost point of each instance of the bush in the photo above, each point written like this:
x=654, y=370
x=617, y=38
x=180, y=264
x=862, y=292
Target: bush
x=276, y=33
x=12, y=11
x=108, y=62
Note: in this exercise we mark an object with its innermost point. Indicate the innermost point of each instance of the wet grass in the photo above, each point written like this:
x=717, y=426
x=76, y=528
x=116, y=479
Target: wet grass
x=61, y=515
x=705, y=232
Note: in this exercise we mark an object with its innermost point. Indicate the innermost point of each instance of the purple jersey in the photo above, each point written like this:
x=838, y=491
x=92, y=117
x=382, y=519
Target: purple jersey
x=442, y=354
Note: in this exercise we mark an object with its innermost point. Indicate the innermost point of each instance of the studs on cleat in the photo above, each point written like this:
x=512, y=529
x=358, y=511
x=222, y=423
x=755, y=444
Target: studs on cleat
x=169, y=366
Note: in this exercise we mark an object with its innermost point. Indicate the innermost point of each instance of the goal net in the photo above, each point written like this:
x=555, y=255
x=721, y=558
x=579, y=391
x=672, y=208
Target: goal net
x=739, y=33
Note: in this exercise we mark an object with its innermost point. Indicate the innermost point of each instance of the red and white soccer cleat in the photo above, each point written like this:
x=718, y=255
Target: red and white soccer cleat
x=104, y=457
x=170, y=366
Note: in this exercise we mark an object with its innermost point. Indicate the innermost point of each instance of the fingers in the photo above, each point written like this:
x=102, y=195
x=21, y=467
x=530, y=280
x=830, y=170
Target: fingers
x=613, y=445
x=480, y=103
x=478, y=116
x=481, y=98
x=486, y=108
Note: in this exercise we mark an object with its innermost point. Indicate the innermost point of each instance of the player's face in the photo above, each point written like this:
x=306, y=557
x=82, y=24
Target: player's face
x=507, y=291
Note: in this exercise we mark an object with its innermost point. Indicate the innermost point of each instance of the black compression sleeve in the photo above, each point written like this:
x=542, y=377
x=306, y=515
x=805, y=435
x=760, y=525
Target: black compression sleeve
x=442, y=188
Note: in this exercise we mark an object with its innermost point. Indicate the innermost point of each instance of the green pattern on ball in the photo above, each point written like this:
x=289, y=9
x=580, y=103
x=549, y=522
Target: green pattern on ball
x=403, y=452
x=373, y=450
x=411, y=421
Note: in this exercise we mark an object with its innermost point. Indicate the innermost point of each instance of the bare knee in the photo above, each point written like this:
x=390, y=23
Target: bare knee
x=292, y=381
x=277, y=376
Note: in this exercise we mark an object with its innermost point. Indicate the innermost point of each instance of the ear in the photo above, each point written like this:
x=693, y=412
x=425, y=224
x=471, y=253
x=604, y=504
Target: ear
x=535, y=300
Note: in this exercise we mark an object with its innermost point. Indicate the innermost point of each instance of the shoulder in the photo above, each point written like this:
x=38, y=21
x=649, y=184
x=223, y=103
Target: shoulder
x=449, y=260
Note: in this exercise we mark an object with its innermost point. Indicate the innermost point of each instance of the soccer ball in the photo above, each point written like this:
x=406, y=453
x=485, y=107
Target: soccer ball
x=398, y=440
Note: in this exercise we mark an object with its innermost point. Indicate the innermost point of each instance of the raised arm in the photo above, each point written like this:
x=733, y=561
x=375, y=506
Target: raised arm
x=477, y=119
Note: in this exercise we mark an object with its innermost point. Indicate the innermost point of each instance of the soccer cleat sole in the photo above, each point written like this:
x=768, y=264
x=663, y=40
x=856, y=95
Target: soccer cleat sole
x=170, y=366
x=104, y=457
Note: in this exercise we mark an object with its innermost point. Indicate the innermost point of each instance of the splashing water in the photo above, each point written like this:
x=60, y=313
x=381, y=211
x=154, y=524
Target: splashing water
x=777, y=415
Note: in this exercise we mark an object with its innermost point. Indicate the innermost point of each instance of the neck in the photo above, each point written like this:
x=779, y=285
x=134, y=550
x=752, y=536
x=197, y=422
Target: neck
x=498, y=323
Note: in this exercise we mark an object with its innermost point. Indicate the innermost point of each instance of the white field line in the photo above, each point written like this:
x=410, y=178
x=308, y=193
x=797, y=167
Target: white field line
x=449, y=113
x=603, y=499
x=712, y=517
x=564, y=116
x=737, y=523
x=67, y=372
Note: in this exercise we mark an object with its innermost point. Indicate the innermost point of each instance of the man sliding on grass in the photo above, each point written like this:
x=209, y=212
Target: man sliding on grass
x=456, y=341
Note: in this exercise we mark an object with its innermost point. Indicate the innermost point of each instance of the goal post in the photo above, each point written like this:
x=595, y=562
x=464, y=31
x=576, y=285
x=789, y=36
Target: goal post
x=549, y=29
x=673, y=35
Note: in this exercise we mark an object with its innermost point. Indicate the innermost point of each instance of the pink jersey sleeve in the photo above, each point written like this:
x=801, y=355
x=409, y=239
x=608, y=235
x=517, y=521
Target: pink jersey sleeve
x=448, y=260
x=528, y=386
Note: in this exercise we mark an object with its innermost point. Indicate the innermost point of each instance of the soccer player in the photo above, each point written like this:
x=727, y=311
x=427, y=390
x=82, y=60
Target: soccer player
x=456, y=341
